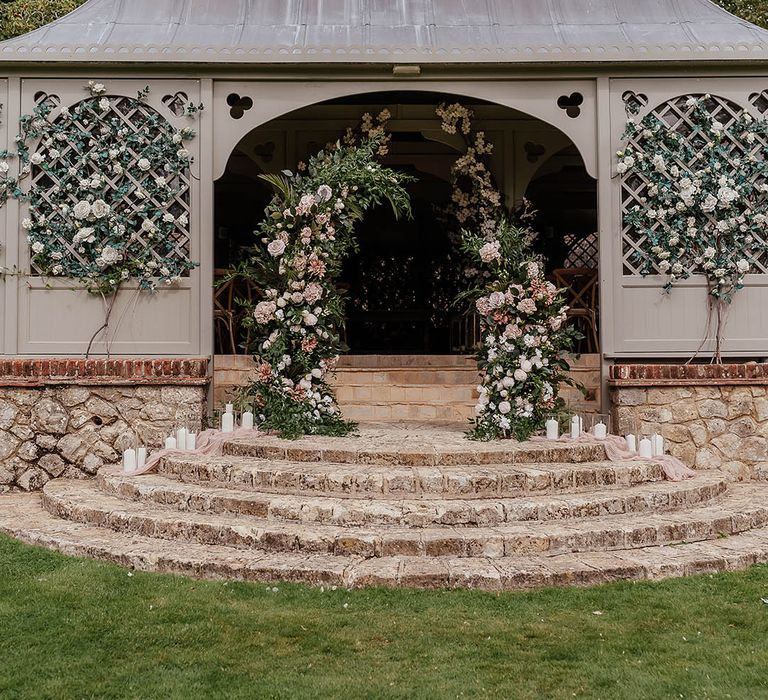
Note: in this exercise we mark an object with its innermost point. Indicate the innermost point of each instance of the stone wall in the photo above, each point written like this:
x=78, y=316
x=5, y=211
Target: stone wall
x=711, y=416
x=70, y=417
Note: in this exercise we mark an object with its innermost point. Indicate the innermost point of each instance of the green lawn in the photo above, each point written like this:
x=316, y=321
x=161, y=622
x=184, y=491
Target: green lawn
x=77, y=629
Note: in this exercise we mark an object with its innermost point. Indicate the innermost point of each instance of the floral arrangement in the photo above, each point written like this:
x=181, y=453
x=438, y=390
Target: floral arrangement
x=704, y=204
x=107, y=199
x=307, y=233
x=524, y=340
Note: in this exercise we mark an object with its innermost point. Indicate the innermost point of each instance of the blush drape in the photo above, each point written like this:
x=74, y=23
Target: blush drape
x=616, y=450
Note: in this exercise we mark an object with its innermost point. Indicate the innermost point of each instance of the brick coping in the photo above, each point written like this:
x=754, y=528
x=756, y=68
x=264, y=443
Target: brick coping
x=31, y=372
x=645, y=375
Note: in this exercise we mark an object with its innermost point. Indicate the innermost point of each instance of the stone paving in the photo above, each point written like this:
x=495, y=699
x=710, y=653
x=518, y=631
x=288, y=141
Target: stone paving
x=402, y=506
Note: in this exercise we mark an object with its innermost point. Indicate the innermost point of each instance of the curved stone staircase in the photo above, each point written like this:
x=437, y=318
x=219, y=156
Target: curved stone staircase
x=398, y=506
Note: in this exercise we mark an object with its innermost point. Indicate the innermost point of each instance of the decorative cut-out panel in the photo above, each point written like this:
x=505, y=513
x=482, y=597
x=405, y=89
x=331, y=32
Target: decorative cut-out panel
x=759, y=100
x=677, y=115
x=125, y=189
x=571, y=104
x=583, y=251
x=177, y=103
x=634, y=101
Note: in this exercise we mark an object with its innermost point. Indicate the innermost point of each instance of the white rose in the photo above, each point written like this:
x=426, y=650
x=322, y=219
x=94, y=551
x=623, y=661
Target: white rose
x=37, y=247
x=37, y=158
x=182, y=154
x=310, y=319
x=177, y=138
x=144, y=164
x=81, y=210
x=100, y=209
x=104, y=104
x=521, y=375
x=168, y=218
x=4, y=167
x=505, y=407
x=276, y=248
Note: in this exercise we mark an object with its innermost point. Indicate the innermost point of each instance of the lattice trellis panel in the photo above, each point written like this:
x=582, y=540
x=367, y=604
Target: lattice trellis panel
x=583, y=251
x=677, y=115
x=121, y=191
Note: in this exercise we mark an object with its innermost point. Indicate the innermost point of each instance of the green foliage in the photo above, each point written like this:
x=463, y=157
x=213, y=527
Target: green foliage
x=22, y=16
x=705, y=208
x=755, y=11
x=307, y=233
x=74, y=628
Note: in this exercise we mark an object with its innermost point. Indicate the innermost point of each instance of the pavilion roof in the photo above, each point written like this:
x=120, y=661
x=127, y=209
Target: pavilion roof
x=392, y=31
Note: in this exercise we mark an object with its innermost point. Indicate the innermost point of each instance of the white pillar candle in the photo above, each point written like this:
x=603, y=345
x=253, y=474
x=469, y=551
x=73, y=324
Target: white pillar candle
x=657, y=441
x=553, y=429
x=646, y=448
x=247, y=421
x=181, y=439
x=227, y=423
x=575, y=427
x=228, y=408
x=192, y=441
x=600, y=431
x=170, y=443
x=129, y=461
x=631, y=443
x=141, y=457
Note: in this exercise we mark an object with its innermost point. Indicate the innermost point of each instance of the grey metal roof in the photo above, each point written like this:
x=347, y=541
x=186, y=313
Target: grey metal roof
x=392, y=31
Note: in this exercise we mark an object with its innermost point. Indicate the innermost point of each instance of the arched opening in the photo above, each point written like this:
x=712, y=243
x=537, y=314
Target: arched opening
x=401, y=284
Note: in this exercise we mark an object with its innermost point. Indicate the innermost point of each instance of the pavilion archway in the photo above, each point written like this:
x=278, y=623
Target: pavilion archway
x=522, y=144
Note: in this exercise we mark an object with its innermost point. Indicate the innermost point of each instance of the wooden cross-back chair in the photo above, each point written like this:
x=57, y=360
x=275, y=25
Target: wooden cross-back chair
x=583, y=299
x=227, y=316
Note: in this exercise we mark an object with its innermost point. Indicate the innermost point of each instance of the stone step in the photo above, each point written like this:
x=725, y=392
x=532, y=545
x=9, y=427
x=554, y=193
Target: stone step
x=22, y=517
x=652, y=497
x=384, y=446
x=81, y=501
x=352, y=480
x=373, y=362
x=365, y=412
x=427, y=379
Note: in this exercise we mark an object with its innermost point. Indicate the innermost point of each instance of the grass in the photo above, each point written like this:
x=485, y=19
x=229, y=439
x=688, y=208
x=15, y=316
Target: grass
x=71, y=628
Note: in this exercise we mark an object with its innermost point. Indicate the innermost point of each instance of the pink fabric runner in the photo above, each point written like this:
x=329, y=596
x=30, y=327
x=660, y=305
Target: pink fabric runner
x=209, y=443
x=617, y=451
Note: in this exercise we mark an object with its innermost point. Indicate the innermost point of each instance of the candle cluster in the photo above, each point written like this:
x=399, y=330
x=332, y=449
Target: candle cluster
x=648, y=447
x=183, y=440
x=229, y=423
x=598, y=427
x=134, y=459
